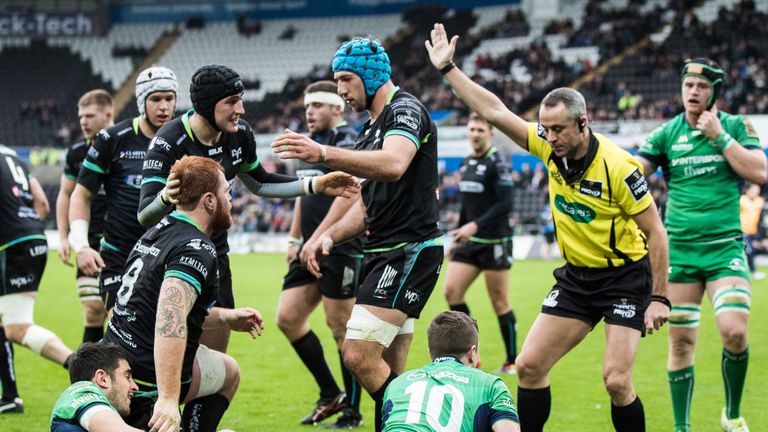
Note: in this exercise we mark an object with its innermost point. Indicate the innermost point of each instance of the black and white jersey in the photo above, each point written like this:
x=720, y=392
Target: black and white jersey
x=236, y=152
x=315, y=207
x=174, y=248
x=115, y=161
x=18, y=219
x=73, y=162
x=486, y=194
x=405, y=210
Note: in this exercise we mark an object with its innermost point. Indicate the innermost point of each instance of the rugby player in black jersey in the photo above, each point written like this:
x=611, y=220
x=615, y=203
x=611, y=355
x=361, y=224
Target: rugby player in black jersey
x=23, y=254
x=302, y=291
x=483, y=240
x=396, y=152
x=169, y=288
x=214, y=129
x=95, y=112
x=115, y=161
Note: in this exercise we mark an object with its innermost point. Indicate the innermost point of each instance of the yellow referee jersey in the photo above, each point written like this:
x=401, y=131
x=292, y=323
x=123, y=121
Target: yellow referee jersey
x=592, y=214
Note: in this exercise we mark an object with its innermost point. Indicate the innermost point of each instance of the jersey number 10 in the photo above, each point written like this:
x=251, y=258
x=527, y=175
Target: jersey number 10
x=435, y=401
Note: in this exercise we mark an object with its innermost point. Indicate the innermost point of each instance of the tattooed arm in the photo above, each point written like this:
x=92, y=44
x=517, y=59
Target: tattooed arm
x=173, y=305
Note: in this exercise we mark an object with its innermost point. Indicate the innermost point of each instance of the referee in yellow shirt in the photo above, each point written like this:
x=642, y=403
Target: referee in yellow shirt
x=608, y=231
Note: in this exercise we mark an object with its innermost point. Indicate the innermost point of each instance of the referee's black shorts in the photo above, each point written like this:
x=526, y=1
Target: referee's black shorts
x=619, y=295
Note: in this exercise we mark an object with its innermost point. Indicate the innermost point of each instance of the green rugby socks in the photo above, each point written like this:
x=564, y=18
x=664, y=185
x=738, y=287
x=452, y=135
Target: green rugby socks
x=734, y=367
x=681, y=387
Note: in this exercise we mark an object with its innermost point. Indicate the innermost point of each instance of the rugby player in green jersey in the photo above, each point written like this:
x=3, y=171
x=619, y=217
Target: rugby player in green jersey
x=705, y=155
x=479, y=401
x=101, y=391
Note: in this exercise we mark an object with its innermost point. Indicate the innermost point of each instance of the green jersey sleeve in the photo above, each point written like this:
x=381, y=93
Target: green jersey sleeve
x=742, y=131
x=76, y=400
x=502, y=405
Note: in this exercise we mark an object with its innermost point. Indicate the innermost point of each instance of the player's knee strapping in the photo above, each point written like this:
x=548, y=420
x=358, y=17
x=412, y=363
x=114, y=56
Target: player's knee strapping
x=364, y=325
x=685, y=315
x=213, y=371
x=734, y=298
x=36, y=337
x=88, y=289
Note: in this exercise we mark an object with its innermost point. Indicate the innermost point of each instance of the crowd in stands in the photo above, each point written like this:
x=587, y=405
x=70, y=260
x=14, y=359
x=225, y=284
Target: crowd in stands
x=722, y=40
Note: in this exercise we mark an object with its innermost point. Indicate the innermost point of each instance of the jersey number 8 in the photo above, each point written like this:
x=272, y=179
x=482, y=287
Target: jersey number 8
x=129, y=279
x=435, y=402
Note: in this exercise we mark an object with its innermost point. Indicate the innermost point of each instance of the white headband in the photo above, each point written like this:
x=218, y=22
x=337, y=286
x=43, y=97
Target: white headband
x=325, y=98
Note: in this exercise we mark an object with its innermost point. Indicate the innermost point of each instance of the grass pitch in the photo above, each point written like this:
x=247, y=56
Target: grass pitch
x=276, y=391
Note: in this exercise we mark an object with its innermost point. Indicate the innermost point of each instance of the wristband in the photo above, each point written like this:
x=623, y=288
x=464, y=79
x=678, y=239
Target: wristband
x=323, y=153
x=305, y=185
x=662, y=299
x=723, y=141
x=313, y=185
x=294, y=240
x=78, y=234
x=447, y=68
x=162, y=197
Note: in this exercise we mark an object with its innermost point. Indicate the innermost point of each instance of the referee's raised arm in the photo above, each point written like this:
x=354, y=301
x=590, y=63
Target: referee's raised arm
x=480, y=100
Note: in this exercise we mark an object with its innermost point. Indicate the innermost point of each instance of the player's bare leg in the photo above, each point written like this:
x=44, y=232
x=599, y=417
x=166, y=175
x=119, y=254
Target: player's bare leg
x=550, y=338
x=620, y=352
x=459, y=276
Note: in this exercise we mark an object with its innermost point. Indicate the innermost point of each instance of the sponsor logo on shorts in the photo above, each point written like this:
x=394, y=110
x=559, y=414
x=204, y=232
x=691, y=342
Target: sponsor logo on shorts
x=347, y=280
x=38, y=250
x=624, y=310
x=637, y=184
x=737, y=264
x=21, y=281
x=551, y=301
x=412, y=297
x=387, y=277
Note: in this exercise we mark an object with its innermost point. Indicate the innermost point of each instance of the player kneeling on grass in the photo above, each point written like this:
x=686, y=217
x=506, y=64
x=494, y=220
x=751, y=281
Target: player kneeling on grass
x=479, y=401
x=101, y=391
x=167, y=291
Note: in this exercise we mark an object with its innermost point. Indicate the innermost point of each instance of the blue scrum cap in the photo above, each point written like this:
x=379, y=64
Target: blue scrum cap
x=367, y=59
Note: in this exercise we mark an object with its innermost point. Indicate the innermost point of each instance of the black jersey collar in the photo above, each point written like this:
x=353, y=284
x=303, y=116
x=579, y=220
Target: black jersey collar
x=576, y=168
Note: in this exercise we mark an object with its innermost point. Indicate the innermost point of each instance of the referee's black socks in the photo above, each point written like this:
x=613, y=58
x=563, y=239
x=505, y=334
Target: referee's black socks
x=629, y=418
x=378, y=399
x=533, y=406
